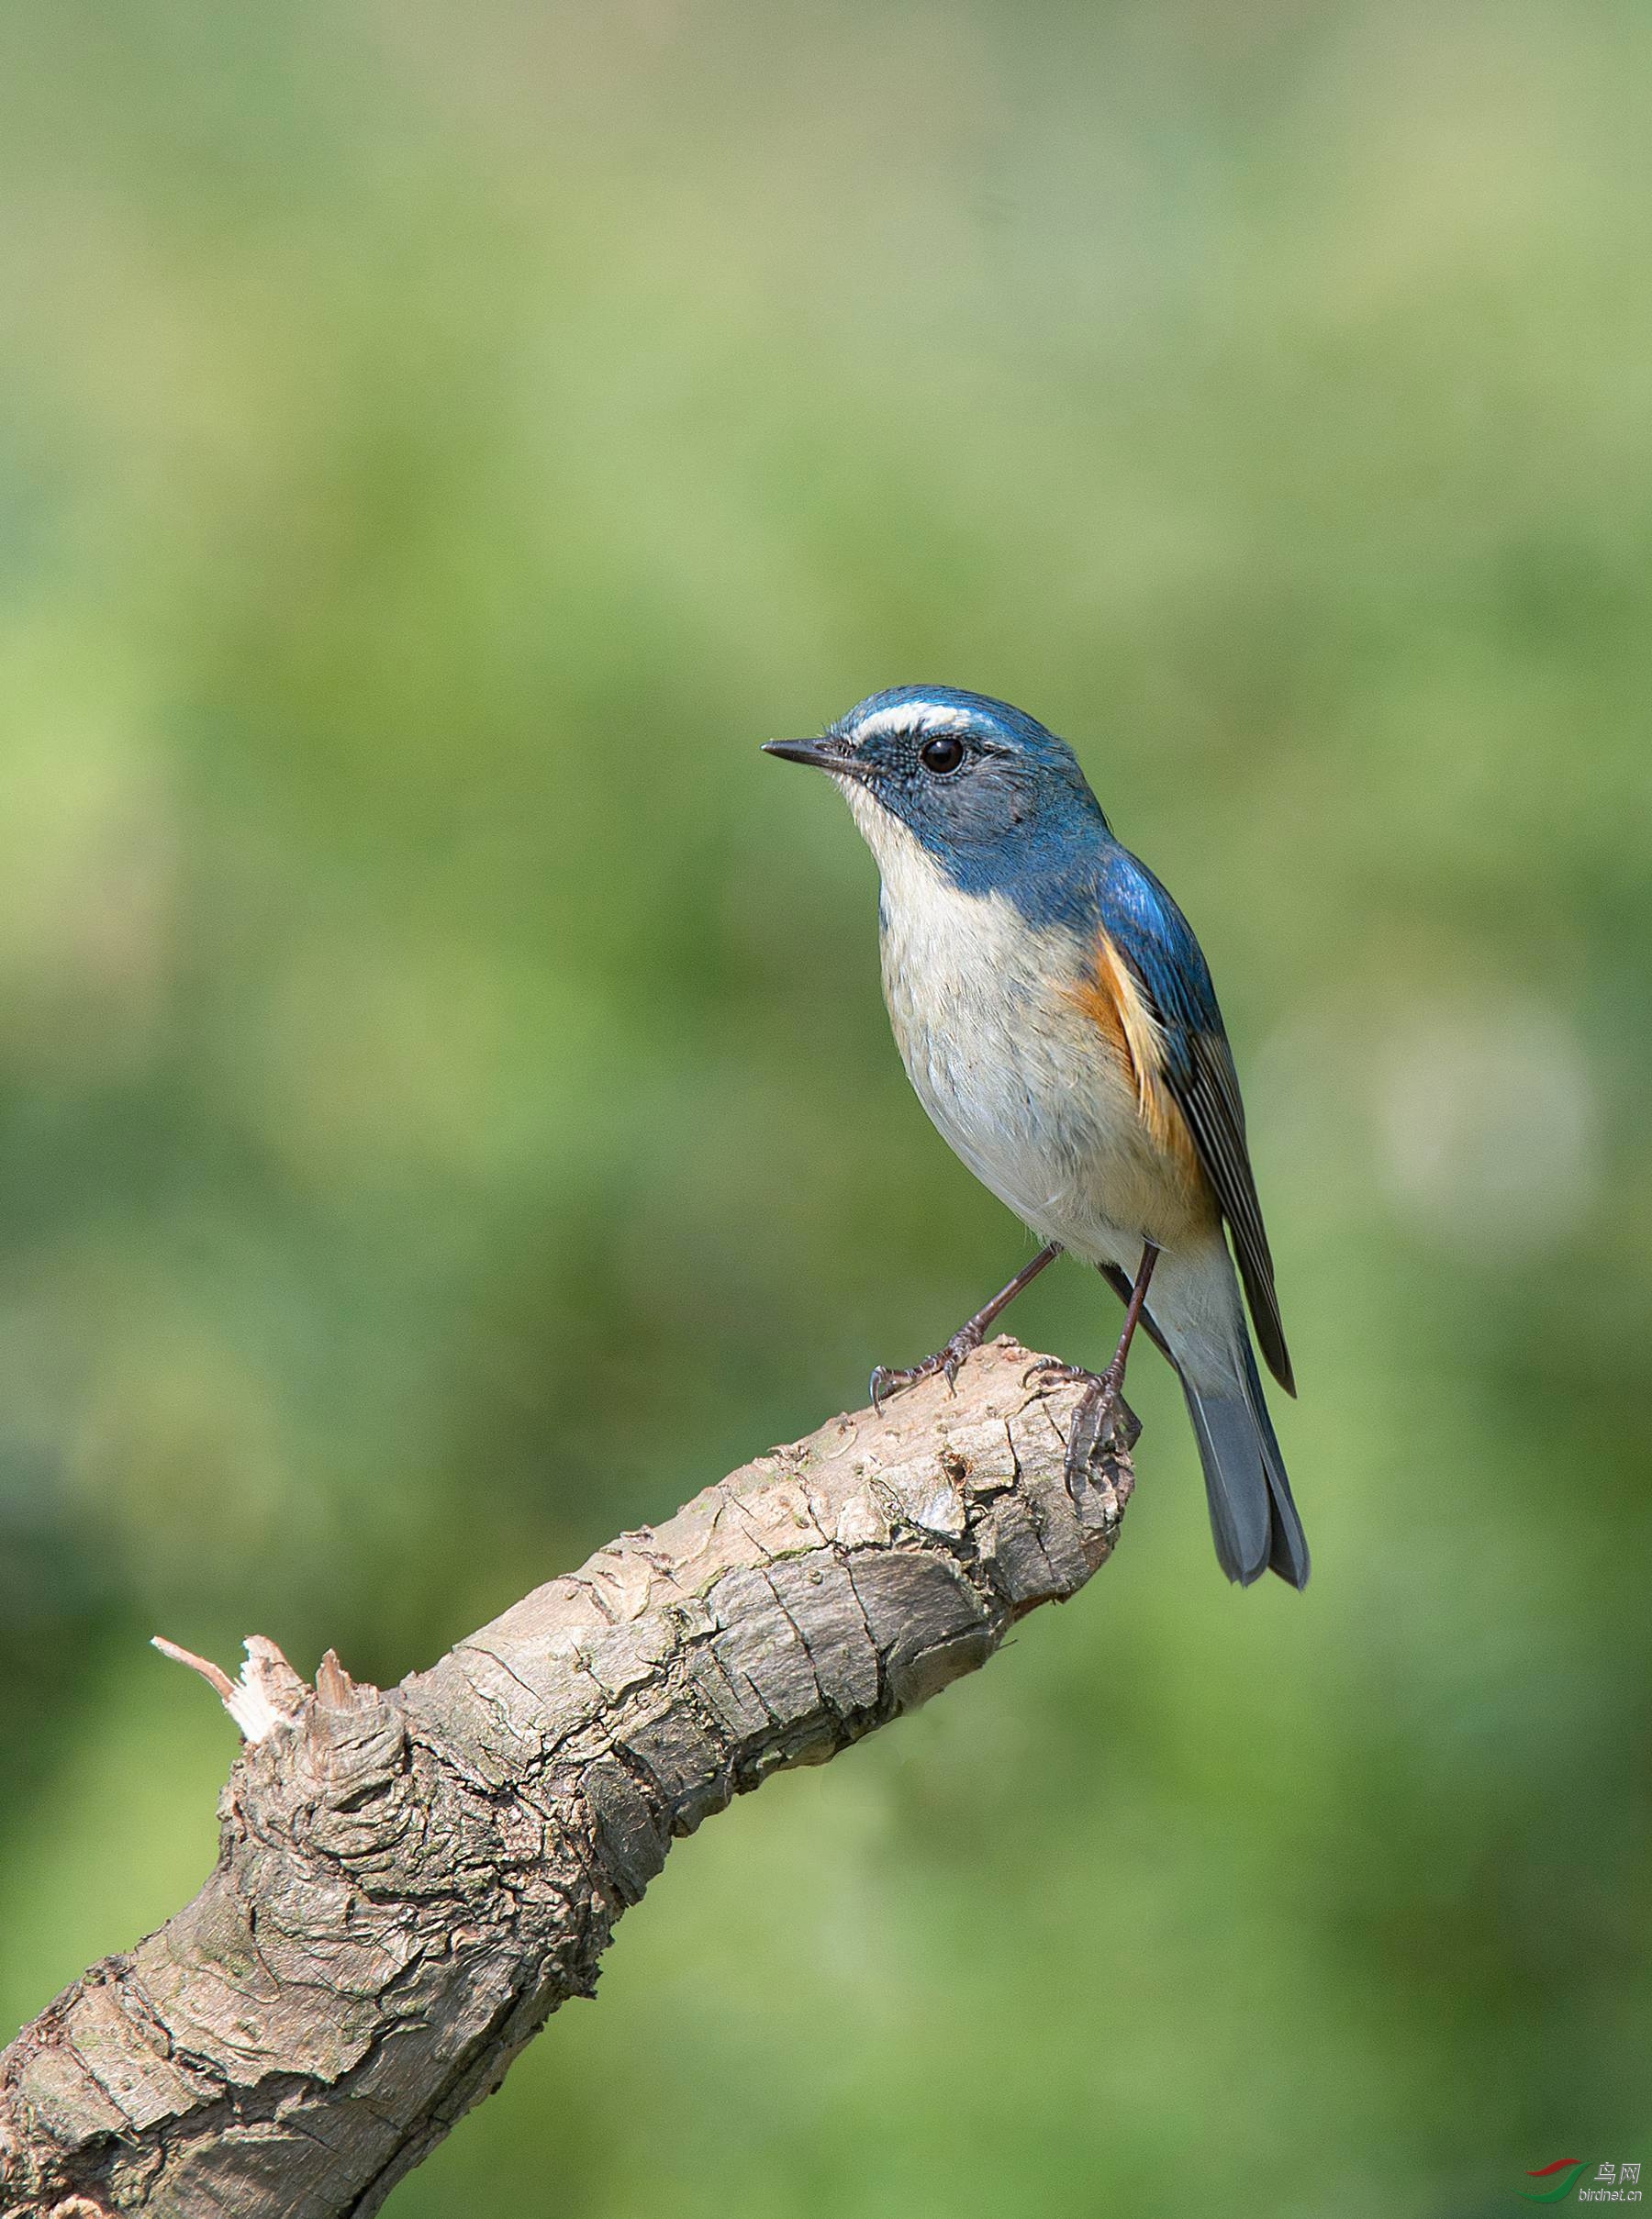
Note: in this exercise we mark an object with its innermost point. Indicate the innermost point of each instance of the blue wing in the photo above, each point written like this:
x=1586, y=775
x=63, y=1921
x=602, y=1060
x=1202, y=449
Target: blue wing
x=1166, y=963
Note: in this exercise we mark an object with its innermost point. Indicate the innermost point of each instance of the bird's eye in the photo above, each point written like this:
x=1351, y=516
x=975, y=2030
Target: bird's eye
x=941, y=755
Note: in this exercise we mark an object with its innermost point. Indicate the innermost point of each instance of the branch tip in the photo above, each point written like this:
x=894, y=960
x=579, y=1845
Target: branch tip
x=267, y=1695
x=334, y=1687
x=216, y=1679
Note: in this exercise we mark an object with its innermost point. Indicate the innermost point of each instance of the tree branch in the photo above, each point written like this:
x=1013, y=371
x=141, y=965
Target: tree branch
x=408, y=1883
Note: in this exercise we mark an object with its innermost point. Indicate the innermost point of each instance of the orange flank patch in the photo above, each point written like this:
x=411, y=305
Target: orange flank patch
x=1099, y=1001
x=1113, y=1003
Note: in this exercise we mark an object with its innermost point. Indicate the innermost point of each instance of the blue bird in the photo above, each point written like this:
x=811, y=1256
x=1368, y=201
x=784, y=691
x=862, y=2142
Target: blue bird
x=1056, y=1019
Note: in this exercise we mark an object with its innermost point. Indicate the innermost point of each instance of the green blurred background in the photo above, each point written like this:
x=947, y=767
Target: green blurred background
x=447, y=1110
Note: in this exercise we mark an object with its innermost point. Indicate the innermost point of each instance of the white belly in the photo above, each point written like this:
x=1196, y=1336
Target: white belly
x=1022, y=1085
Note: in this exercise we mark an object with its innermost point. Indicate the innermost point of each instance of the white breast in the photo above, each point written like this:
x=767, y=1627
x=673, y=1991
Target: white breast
x=1024, y=1087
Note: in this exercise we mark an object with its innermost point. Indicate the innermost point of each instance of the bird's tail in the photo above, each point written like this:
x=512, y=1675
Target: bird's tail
x=1193, y=1313
x=1253, y=1517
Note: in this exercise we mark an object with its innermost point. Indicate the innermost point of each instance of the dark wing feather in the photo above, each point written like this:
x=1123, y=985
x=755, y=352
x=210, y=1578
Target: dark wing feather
x=1156, y=941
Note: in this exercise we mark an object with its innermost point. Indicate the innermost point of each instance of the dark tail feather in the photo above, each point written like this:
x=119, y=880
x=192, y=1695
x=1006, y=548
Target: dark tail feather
x=1252, y=1515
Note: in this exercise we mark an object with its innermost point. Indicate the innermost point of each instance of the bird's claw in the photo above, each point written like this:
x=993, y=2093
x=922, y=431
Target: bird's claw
x=1058, y=1373
x=945, y=1363
x=1103, y=1420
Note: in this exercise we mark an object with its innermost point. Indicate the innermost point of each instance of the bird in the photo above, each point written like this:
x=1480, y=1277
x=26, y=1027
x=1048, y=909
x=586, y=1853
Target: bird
x=1056, y=1019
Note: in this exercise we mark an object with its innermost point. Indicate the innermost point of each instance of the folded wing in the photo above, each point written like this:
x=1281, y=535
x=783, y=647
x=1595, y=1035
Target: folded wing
x=1155, y=941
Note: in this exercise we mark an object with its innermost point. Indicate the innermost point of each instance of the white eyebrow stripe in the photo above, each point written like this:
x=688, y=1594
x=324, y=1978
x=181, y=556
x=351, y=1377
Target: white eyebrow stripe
x=913, y=716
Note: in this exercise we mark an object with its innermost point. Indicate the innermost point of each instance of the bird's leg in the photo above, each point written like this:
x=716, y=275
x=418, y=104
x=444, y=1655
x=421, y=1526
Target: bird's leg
x=967, y=1339
x=1103, y=1398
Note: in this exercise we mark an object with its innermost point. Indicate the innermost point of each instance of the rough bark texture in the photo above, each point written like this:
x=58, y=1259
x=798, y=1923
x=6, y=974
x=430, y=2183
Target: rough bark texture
x=408, y=1883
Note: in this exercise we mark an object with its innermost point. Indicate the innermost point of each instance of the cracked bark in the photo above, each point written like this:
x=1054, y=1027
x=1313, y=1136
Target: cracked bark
x=409, y=1882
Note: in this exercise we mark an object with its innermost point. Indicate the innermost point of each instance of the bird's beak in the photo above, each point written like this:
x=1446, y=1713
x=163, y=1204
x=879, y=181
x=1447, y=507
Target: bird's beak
x=820, y=754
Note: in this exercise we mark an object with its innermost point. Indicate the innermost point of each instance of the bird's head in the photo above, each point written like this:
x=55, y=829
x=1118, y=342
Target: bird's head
x=983, y=788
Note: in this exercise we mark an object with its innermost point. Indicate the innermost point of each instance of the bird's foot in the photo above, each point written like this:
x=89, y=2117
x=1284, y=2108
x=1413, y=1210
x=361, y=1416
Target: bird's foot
x=1102, y=1421
x=945, y=1362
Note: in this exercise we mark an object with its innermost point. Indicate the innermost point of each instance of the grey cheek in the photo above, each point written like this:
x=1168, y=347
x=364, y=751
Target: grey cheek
x=980, y=804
